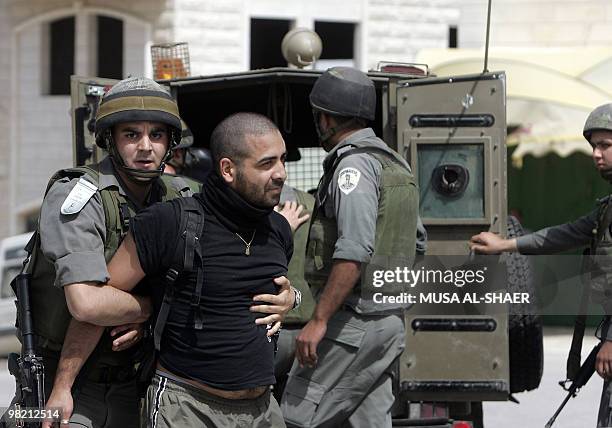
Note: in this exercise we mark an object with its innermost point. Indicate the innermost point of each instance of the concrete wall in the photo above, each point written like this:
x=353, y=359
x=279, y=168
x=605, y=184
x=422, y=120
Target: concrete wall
x=397, y=29
x=5, y=122
x=536, y=23
x=38, y=140
x=214, y=31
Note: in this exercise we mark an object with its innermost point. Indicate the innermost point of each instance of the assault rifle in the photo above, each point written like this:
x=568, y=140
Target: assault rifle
x=27, y=368
x=582, y=377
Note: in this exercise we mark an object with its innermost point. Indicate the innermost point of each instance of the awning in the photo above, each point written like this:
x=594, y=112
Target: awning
x=550, y=92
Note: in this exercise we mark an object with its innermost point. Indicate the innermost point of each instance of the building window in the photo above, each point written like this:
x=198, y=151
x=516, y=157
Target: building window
x=452, y=37
x=266, y=38
x=61, y=55
x=338, y=39
x=110, y=47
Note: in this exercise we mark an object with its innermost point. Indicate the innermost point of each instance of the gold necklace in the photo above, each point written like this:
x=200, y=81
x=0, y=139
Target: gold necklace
x=247, y=250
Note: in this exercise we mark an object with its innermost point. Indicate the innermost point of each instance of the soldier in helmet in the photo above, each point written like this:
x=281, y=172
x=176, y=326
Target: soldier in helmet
x=593, y=229
x=85, y=214
x=191, y=163
x=344, y=353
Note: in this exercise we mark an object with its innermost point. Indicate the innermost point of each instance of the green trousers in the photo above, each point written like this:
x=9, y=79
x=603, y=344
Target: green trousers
x=171, y=403
x=351, y=384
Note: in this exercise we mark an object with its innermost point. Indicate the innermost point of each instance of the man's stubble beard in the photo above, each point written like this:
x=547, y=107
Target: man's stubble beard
x=252, y=194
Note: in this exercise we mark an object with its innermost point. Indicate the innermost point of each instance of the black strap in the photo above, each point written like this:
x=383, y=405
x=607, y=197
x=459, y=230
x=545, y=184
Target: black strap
x=164, y=310
x=125, y=216
x=187, y=257
x=192, y=233
x=574, y=358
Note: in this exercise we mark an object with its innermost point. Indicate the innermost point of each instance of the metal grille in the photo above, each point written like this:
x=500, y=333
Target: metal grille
x=170, y=60
x=136, y=83
x=306, y=173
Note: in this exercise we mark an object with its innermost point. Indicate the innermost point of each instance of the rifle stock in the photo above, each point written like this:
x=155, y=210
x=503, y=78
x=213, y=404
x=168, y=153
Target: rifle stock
x=27, y=368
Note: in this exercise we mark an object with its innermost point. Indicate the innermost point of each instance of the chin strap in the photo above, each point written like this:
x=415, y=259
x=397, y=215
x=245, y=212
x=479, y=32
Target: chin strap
x=324, y=136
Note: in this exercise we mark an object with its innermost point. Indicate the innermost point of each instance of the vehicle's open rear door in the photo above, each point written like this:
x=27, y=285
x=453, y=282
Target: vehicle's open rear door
x=85, y=95
x=452, y=131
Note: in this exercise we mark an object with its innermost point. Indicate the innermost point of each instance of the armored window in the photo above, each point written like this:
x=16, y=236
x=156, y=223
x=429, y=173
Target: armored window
x=338, y=39
x=453, y=37
x=61, y=55
x=110, y=47
x=266, y=38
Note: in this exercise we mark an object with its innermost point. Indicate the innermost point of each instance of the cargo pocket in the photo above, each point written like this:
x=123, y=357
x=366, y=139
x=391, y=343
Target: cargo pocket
x=306, y=387
x=301, y=400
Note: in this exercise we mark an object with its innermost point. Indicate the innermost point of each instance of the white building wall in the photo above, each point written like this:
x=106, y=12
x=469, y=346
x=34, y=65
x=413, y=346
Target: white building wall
x=5, y=121
x=397, y=29
x=536, y=23
x=306, y=13
x=38, y=140
x=214, y=31
x=43, y=124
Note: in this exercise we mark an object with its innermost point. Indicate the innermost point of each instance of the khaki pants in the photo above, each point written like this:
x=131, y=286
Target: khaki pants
x=172, y=404
x=351, y=384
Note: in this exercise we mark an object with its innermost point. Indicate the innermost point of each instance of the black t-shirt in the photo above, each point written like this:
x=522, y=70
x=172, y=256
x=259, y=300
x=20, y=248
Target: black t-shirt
x=231, y=352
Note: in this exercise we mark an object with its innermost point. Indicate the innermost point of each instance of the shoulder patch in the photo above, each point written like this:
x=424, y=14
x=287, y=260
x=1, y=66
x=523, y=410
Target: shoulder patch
x=348, y=178
x=78, y=197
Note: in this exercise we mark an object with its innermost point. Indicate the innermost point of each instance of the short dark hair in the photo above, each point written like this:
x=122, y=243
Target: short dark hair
x=228, y=138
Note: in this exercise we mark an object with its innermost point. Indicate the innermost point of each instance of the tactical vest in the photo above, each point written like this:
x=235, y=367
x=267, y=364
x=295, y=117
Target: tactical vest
x=50, y=312
x=303, y=313
x=194, y=185
x=601, y=260
x=395, y=238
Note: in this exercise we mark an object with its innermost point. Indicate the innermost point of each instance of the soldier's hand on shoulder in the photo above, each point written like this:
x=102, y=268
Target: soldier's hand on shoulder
x=291, y=211
x=603, y=361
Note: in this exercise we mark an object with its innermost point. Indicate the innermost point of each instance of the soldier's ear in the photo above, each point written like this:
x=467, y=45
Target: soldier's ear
x=227, y=170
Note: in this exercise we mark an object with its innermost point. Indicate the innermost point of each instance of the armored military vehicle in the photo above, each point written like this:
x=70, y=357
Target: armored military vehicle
x=452, y=131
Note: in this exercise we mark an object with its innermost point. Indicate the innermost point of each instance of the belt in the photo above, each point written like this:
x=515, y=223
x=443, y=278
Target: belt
x=110, y=374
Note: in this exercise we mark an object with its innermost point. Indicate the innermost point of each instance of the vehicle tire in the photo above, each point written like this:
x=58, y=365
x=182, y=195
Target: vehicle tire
x=524, y=325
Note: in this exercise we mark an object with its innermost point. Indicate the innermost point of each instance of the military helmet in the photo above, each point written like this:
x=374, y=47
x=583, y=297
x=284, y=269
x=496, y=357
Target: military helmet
x=136, y=99
x=600, y=119
x=131, y=100
x=344, y=91
x=301, y=47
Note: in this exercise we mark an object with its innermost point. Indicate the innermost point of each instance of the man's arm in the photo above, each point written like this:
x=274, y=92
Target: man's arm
x=111, y=304
x=82, y=338
x=554, y=239
x=80, y=341
x=343, y=277
x=105, y=305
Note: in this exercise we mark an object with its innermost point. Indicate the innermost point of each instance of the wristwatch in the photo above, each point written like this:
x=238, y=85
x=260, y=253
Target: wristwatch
x=298, y=297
